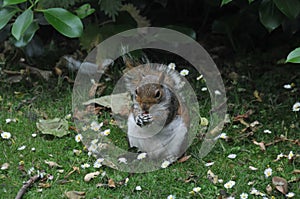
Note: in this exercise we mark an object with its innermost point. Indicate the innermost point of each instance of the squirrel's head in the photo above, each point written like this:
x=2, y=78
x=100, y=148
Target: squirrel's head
x=149, y=94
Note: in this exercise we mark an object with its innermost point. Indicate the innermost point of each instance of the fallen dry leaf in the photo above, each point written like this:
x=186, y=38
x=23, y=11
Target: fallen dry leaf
x=52, y=164
x=260, y=144
x=269, y=189
x=74, y=169
x=119, y=103
x=296, y=171
x=44, y=185
x=212, y=177
x=243, y=116
x=111, y=183
x=75, y=194
x=88, y=177
x=257, y=96
x=184, y=158
x=280, y=184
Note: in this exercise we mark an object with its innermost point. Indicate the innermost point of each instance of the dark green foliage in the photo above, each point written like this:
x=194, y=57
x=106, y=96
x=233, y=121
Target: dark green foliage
x=110, y=7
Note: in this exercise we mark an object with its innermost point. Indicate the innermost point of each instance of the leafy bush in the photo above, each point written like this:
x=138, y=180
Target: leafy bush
x=25, y=18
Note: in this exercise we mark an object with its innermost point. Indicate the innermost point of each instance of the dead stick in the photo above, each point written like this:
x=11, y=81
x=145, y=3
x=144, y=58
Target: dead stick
x=26, y=185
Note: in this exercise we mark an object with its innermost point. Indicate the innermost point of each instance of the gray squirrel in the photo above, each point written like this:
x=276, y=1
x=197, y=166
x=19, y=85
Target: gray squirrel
x=158, y=121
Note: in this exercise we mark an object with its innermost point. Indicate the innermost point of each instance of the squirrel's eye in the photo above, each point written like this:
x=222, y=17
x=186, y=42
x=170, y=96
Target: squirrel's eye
x=157, y=94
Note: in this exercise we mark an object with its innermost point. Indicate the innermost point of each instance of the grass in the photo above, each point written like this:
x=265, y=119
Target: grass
x=273, y=113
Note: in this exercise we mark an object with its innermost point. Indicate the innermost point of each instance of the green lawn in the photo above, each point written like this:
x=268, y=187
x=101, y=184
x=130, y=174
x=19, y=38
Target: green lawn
x=273, y=113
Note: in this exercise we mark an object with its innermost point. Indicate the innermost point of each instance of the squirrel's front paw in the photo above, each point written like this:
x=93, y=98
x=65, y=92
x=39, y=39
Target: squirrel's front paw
x=143, y=119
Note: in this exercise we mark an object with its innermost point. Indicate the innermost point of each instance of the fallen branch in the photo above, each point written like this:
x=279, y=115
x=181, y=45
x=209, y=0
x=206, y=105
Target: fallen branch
x=26, y=185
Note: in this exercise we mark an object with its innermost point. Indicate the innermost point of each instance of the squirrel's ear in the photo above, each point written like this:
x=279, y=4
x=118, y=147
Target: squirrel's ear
x=161, y=78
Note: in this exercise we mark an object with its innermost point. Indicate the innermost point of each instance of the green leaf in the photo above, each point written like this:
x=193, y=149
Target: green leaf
x=5, y=15
x=224, y=2
x=250, y=1
x=294, y=56
x=64, y=22
x=28, y=35
x=12, y=2
x=290, y=8
x=269, y=15
x=84, y=11
x=22, y=23
x=110, y=7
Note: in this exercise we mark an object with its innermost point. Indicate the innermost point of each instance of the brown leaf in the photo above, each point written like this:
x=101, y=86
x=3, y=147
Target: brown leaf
x=212, y=177
x=52, y=164
x=44, y=185
x=75, y=194
x=296, y=171
x=94, y=88
x=243, y=116
x=111, y=183
x=57, y=71
x=88, y=177
x=184, y=158
x=74, y=169
x=260, y=144
x=269, y=189
x=280, y=184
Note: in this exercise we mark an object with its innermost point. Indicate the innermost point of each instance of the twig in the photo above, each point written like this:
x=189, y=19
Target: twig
x=26, y=185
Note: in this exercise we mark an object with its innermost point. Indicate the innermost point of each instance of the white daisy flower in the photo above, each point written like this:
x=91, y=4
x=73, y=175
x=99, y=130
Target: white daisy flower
x=243, y=196
x=268, y=172
x=172, y=66
x=229, y=184
x=122, y=160
x=296, y=106
x=290, y=195
x=85, y=165
x=223, y=136
x=287, y=86
x=291, y=155
x=6, y=135
x=254, y=192
x=78, y=138
x=196, y=189
x=184, y=72
x=95, y=126
x=165, y=164
x=106, y=132
x=141, y=156
x=97, y=165
x=171, y=197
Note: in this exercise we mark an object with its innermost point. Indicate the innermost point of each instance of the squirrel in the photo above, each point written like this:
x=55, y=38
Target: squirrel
x=158, y=121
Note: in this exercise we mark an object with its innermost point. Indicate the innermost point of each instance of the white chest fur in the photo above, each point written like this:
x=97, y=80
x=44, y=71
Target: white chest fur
x=167, y=143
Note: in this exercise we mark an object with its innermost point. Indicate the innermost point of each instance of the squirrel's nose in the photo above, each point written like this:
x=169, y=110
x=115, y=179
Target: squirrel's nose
x=145, y=107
